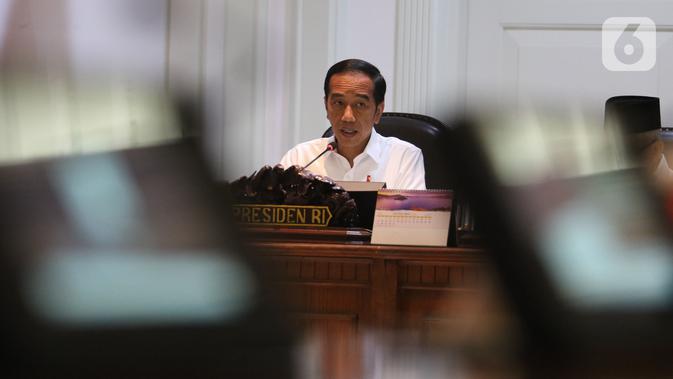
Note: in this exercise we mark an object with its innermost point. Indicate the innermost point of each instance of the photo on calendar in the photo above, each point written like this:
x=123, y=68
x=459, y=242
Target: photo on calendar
x=431, y=201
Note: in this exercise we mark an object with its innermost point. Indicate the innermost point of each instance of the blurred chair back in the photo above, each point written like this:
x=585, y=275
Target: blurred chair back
x=427, y=134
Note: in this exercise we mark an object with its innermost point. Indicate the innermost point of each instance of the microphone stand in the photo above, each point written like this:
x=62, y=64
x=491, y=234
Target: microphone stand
x=330, y=147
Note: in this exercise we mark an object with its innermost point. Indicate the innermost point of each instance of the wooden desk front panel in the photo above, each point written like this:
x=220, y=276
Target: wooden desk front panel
x=319, y=290
x=353, y=285
x=431, y=294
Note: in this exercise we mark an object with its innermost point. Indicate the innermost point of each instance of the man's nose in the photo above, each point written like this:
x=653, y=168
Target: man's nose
x=348, y=114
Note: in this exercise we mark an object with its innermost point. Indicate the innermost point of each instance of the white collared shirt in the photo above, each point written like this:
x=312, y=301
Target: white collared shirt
x=386, y=159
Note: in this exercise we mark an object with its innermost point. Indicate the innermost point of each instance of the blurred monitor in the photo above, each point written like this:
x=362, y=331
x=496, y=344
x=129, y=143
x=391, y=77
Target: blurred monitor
x=123, y=264
x=580, y=240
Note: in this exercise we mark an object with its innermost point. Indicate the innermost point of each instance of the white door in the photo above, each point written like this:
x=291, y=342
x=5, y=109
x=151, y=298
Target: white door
x=550, y=50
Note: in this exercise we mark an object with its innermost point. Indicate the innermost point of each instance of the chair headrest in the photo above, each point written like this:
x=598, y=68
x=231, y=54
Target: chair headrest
x=633, y=114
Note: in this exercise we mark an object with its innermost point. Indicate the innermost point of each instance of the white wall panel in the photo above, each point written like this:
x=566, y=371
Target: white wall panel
x=563, y=64
x=550, y=51
x=311, y=58
x=122, y=38
x=230, y=76
x=430, y=56
x=214, y=85
x=413, y=56
x=185, y=38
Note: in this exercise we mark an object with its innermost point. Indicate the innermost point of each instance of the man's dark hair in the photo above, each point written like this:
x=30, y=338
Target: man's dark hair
x=358, y=65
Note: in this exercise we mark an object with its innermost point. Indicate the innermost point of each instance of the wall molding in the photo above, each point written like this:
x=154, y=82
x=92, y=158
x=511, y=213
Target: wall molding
x=412, y=42
x=430, y=63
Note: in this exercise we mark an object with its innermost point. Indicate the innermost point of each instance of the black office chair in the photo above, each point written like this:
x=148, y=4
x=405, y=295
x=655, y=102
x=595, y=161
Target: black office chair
x=426, y=133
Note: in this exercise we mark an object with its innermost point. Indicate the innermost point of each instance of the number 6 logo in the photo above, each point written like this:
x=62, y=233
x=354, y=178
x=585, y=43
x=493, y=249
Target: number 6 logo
x=629, y=44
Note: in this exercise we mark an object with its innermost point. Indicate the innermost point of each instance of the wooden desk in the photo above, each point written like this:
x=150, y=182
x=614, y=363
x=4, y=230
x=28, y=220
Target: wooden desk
x=346, y=285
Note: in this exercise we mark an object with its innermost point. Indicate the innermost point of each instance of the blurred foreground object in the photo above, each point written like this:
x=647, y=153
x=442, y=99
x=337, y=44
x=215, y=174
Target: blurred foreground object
x=124, y=264
x=579, y=240
x=40, y=119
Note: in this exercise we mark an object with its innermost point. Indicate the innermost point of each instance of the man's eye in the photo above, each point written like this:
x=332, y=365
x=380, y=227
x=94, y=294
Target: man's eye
x=360, y=105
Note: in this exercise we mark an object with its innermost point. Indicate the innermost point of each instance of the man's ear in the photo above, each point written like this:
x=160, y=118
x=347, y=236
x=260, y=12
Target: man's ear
x=326, y=110
x=379, y=112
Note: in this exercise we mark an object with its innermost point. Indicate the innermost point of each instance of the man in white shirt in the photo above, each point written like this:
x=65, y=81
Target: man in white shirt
x=354, y=100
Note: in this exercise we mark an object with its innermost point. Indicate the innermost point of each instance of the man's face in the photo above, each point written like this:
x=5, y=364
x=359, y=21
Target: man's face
x=351, y=110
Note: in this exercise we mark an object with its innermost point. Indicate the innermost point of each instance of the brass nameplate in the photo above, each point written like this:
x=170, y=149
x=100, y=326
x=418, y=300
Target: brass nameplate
x=292, y=215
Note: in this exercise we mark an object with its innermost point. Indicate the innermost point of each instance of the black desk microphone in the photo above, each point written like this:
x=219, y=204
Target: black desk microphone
x=330, y=147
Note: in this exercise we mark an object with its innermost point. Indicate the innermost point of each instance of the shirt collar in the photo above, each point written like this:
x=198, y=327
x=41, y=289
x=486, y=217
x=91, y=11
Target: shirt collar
x=373, y=148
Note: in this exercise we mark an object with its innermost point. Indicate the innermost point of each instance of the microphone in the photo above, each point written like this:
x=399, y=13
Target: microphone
x=330, y=147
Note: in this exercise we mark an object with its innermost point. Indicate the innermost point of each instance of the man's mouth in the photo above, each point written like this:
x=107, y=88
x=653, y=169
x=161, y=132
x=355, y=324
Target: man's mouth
x=348, y=132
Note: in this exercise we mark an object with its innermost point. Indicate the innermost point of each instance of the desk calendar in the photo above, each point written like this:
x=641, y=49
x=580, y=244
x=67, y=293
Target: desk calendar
x=412, y=217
